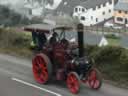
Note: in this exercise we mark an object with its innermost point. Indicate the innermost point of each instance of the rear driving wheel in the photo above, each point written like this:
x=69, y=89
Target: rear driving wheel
x=42, y=68
x=94, y=79
x=73, y=82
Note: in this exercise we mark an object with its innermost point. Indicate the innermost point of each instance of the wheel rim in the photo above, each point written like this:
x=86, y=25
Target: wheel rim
x=93, y=79
x=73, y=83
x=40, y=70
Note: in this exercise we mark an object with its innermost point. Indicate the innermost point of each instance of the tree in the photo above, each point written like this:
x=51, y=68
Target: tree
x=9, y=17
x=41, y=3
x=50, y=1
x=5, y=11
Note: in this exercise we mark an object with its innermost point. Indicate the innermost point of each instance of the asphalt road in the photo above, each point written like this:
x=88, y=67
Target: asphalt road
x=16, y=79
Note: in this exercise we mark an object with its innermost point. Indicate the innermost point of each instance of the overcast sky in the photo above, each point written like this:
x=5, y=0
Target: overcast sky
x=9, y=1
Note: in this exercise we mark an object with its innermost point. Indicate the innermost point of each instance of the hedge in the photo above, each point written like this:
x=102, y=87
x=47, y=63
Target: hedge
x=111, y=60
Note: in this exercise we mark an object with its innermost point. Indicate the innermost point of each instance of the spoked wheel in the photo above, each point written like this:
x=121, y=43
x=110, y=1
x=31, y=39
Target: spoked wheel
x=42, y=68
x=94, y=79
x=73, y=82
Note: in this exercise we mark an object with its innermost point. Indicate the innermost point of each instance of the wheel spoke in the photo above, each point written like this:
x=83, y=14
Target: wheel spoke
x=36, y=60
x=36, y=74
x=43, y=67
x=44, y=73
x=96, y=84
x=40, y=60
x=93, y=75
x=69, y=82
x=43, y=77
x=36, y=67
x=76, y=87
x=75, y=80
x=76, y=84
x=71, y=78
x=91, y=83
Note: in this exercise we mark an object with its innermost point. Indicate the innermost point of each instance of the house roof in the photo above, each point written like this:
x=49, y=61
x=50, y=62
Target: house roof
x=67, y=6
x=121, y=6
x=93, y=3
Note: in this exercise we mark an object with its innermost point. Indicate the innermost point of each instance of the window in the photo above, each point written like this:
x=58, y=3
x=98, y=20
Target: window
x=91, y=17
x=79, y=9
x=76, y=9
x=120, y=19
x=126, y=20
x=99, y=6
x=104, y=5
x=96, y=19
x=109, y=11
x=103, y=13
x=83, y=10
x=82, y=18
x=119, y=11
x=30, y=12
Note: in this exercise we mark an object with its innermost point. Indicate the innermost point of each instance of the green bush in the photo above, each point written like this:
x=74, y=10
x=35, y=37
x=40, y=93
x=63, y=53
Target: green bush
x=15, y=43
x=10, y=38
x=111, y=60
x=109, y=54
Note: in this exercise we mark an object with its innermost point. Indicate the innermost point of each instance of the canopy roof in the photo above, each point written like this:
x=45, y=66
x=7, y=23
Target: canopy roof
x=46, y=28
x=39, y=28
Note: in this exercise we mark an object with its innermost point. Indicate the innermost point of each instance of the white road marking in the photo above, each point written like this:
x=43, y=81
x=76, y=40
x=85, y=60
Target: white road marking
x=29, y=84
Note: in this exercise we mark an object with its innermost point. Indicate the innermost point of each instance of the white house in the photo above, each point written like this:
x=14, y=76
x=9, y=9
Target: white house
x=92, y=12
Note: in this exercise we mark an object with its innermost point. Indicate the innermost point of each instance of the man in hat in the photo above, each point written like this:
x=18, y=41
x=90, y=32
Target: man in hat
x=53, y=39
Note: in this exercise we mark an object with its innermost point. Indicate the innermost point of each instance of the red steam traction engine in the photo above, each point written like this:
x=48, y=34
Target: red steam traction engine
x=65, y=61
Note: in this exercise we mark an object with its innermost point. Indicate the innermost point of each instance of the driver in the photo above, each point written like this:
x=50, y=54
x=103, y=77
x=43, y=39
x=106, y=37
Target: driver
x=53, y=39
x=41, y=40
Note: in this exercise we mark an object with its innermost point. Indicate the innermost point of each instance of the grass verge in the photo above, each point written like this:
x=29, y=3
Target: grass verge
x=113, y=42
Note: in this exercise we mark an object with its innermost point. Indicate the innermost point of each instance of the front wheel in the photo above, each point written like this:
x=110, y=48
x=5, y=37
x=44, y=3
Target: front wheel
x=94, y=79
x=73, y=82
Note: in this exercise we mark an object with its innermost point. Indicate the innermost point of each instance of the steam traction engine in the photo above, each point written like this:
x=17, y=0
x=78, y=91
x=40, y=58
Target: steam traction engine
x=65, y=61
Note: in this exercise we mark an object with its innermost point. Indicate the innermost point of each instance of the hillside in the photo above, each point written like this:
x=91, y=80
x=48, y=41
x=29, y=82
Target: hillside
x=10, y=18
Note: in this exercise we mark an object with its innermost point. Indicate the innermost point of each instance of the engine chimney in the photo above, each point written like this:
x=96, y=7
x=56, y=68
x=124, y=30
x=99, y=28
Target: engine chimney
x=80, y=32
